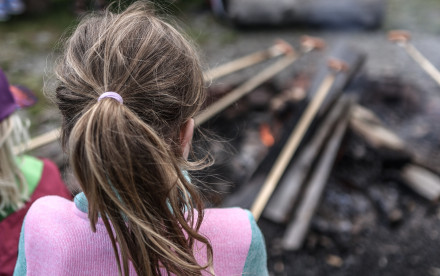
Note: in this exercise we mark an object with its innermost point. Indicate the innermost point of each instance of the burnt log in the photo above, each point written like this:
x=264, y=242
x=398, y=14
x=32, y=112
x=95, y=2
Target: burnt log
x=416, y=172
x=283, y=200
x=297, y=229
x=423, y=181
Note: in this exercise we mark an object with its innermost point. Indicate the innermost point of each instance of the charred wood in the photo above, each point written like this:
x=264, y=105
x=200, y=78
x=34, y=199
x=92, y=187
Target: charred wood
x=285, y=197
x=297, y=229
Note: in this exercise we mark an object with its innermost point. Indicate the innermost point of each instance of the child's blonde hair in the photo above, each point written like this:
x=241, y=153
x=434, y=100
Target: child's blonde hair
x=13, y=186
x=128, y=157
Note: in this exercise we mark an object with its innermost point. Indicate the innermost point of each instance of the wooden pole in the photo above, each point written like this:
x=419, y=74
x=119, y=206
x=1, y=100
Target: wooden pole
x=245, y=88
x=284, y=198
x=402, y=38
x=38, y=141
x=279, y=48
x=298, y=227
x=423, y=181
x=294, y=139
x=369, y=126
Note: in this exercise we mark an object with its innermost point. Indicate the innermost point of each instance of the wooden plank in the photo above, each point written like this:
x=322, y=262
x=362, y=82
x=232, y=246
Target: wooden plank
x=291, y=146
x=364, y=122
x=298, y=227
x=284, y=198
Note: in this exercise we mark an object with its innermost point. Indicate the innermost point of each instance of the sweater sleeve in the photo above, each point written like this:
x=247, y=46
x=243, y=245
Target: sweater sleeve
x=20, y=266
x=256, y=261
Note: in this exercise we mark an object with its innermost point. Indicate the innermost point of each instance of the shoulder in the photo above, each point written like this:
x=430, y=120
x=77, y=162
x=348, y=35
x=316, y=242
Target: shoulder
x=45, y=222
x=57, y=240
x=46, y=208
x=49, y=214
x=232, y=215
x=233, y=222
x=233, y=232
x=51, y=232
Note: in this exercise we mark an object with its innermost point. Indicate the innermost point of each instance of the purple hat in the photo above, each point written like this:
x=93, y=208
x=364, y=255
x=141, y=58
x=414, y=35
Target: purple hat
x=13, y=97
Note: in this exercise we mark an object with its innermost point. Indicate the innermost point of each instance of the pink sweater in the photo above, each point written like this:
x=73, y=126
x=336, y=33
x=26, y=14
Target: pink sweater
x=57, y=240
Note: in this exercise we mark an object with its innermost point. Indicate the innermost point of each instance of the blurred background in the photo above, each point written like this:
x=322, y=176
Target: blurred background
x=369, y=219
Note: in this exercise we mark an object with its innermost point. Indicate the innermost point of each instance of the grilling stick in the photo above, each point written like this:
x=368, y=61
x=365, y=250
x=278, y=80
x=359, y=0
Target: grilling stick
x=295, y=138
x=279, y=48
x=402, y=38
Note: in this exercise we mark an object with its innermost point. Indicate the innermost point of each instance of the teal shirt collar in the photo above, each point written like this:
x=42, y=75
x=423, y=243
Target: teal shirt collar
x=81, y=202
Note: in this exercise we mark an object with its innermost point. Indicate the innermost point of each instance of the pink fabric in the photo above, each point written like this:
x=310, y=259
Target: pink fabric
x=59, y=241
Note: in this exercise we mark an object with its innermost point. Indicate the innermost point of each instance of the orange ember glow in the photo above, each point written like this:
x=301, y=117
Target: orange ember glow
x=266, y=136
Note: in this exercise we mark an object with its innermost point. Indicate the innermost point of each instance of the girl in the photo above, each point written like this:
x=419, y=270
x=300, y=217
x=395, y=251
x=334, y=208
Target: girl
x=129, y=86
x=23, y=178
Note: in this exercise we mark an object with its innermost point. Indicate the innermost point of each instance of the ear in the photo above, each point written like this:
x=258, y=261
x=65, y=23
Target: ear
x=186, y=135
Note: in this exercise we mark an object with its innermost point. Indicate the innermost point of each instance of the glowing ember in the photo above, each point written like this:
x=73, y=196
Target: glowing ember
x=266, y=136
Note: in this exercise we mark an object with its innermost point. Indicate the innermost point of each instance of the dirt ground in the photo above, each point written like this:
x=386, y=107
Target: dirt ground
x=351, y=233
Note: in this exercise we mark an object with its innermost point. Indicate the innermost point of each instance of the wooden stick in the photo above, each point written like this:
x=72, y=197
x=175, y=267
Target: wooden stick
x=310, y=43
x=294, y=139
x=245, y=88
x=402, y=38
x=424, y=182
x=369, y=126
x=284, y=198
x=279, y=48
x=38, y=141
x=298, y=227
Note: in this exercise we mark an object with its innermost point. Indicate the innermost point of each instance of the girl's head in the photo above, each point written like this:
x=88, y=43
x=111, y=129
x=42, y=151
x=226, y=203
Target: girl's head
x=128, y=158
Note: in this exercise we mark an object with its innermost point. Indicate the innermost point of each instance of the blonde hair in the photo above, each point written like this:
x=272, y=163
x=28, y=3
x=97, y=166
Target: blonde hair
x=127, y=157
x=13, y=186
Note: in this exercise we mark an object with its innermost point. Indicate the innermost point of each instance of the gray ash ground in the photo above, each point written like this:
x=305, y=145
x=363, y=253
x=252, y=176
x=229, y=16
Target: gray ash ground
x=368, y=221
